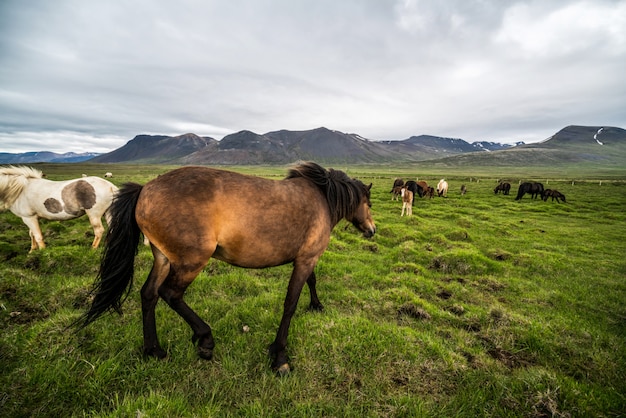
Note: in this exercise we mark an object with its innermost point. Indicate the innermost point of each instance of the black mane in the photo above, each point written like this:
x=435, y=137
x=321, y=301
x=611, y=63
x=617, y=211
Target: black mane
x=342, y=192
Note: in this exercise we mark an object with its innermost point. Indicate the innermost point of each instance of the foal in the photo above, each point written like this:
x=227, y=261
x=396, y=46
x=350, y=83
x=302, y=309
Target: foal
x=396, y=191
x=407, y=201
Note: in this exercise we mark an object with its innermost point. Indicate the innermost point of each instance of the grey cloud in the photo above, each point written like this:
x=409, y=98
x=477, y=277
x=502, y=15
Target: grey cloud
x=94, y=74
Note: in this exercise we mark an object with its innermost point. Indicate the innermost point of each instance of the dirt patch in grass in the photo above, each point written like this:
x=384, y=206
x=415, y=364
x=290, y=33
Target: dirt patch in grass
x=510, y=359
x=457, y=310
x=25, y=314
x=491, y=285
x=500, y=255
x=460, y=280
x=413, y=311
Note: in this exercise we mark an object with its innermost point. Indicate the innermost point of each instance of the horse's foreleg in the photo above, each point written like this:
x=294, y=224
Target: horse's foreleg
x=277, y=350
x=34, y=231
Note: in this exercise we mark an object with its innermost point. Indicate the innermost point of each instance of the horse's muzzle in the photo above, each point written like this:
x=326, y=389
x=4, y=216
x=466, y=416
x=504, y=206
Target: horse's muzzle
x=369, y=233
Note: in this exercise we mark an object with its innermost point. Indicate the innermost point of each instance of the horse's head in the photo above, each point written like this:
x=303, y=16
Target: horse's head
x=362, y=215
x=347, y=198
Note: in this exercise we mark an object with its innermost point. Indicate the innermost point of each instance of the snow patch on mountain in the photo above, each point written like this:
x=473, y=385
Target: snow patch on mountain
x=596, y=136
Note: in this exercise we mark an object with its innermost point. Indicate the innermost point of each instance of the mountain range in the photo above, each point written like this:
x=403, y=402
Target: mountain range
x=280, y=147
x=45, y=157
x=571, y=144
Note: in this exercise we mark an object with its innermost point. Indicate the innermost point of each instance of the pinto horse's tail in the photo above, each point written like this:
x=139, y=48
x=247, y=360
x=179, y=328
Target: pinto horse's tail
x=115, y=278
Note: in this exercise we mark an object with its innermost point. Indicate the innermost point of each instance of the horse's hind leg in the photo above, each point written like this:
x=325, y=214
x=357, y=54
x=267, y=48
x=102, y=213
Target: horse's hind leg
x=179, y=277
x=315, y=304
x=164, y=282
x=98, y=229
x=149, y=299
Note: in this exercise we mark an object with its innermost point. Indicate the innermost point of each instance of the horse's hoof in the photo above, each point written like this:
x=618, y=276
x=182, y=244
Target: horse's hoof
x=205, y=353
x=155, y=352
x=316, y=308
x=283, y=370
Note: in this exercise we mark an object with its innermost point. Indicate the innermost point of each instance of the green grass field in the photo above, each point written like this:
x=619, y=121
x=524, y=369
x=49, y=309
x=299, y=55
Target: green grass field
x=477, y=305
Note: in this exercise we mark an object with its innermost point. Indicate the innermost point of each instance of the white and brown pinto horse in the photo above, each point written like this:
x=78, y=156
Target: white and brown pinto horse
x=25, y=192
x=191, y=214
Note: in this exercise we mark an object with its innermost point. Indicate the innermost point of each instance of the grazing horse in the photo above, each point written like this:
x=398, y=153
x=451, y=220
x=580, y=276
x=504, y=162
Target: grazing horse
x=424, y=188
x=463, y=189
x=503, y=187
x=554, y=194
x=414, y=188
x=190, y=215
x=533, y=188
x=442, y=188
x=25, y=192
x=397, y=182
x=407, y=202
x=395, y=192
x=108, y=175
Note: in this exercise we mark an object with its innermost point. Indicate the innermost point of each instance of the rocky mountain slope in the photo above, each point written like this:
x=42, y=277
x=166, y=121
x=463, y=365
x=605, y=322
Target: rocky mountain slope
x=280, y=147
x=572, y=145
x=157, y=149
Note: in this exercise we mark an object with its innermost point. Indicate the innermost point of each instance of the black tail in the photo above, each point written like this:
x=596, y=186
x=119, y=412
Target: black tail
x=115, y=278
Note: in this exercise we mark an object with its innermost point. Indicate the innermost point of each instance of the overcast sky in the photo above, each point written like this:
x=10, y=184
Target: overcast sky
x=90, y=75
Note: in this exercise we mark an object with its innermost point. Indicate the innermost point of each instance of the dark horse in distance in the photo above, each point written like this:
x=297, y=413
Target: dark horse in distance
x=194, y=213
x=554, y=194
x=503, y=187
x=532, y=188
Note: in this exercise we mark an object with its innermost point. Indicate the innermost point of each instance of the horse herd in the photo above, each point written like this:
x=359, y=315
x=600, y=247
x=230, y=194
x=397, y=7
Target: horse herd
x=407, y=192
x=534, y=189
x=189, y=215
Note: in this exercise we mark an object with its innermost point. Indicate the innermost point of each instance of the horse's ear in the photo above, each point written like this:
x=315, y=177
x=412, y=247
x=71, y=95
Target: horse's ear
x=369, y=187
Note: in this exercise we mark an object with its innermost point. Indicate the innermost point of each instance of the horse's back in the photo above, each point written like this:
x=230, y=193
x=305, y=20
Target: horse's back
x=241, y=219
x=66, y=199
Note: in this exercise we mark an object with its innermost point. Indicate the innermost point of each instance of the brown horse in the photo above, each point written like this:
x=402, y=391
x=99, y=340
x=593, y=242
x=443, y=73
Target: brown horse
x=503, y=187
x=191, y=214
x=407, y=201
x=396, y=192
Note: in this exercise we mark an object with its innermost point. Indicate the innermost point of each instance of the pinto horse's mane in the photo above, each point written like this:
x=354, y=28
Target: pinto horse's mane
x=343, y=193
x=12, y=182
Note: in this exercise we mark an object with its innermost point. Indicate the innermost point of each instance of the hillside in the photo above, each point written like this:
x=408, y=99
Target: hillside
x=284, y=146
x=157, y=149
x=428, y=147
x=44, y=157
x=572, y=145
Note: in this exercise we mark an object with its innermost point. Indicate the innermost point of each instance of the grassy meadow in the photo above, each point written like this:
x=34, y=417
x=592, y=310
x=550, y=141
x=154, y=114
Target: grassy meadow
x=477, y=305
